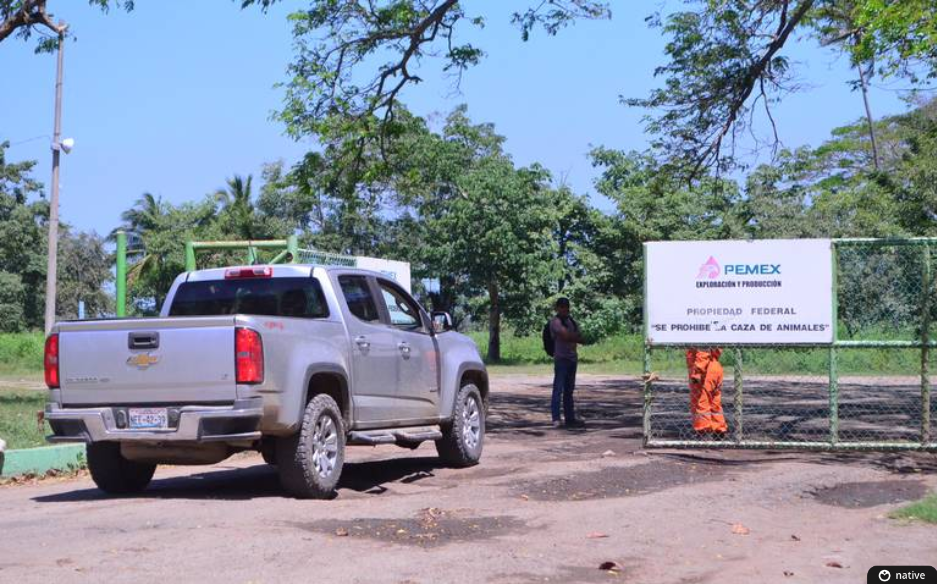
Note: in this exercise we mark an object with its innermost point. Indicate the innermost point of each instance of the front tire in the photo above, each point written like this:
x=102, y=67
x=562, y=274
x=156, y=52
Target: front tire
x=463, y=439
x=113, y=473
x=310, y=462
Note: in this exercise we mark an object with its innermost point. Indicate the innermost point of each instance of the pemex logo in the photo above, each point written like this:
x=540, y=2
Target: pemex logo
x=710, y=270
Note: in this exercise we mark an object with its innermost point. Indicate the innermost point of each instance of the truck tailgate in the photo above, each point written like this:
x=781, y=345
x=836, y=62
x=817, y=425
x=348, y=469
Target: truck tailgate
x=148, y=361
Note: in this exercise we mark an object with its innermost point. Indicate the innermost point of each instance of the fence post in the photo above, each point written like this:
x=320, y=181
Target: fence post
x=834, y=370
x=121, y=284
x=292, y=247
x=647, y=393
x=925, y=348
x=189, y=256
x=738, y=395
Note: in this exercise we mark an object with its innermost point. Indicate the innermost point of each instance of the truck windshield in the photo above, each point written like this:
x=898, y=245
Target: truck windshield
x=296, y=297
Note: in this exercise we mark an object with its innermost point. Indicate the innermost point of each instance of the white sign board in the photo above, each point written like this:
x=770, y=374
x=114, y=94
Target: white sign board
x=713, y=292
x=399, y=272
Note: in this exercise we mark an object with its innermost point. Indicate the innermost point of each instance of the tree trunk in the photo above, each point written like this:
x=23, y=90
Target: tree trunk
x=494, y=324
x=863, y=82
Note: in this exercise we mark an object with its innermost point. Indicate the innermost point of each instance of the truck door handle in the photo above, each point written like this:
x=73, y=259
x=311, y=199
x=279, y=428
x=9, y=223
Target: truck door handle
x=148, y=340
x=404, y=349
x=362, y=343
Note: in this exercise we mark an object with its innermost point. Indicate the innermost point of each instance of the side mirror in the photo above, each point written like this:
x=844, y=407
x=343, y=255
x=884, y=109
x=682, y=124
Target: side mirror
x=442, y=322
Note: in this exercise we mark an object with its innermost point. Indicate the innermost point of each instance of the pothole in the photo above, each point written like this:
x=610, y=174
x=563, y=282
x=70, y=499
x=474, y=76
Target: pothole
x=622, y=481
x=431, y=527
x=871, y=494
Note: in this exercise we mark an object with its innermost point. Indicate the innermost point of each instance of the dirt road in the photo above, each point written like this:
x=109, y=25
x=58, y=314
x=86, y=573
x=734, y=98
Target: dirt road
x=545, y=505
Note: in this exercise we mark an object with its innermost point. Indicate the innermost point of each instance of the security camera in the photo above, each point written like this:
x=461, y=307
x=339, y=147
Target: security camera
x=67, y=144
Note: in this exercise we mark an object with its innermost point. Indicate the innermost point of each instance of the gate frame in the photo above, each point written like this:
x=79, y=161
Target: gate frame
x=927, y=441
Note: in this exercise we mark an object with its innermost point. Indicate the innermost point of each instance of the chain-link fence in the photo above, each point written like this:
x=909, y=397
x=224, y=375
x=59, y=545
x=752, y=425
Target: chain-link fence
x=870, y=389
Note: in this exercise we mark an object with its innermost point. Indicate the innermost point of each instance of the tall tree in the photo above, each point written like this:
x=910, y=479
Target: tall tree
x=498, y=235
x=158, y=232
x=84, y=271
x=355, y=57
x=22, y=18
x=23, y=216
x=726, y=61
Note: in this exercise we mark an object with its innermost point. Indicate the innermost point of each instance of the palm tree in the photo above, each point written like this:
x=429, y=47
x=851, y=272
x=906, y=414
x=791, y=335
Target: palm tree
x=238, y=207
x=148, y=216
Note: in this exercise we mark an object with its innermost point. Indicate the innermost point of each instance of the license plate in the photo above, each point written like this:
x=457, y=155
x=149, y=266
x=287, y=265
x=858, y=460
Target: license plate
x=148, y=418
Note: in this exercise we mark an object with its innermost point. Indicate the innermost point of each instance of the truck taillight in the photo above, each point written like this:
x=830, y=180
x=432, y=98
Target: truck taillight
x=52, y=361
x=248, y=356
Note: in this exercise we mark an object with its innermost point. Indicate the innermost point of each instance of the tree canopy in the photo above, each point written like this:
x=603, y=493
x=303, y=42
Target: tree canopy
x=25, y=18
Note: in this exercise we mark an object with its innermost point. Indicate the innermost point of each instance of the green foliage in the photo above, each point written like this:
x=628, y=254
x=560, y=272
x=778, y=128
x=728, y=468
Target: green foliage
x=84, y=269
x=19, y=18
x=901, y=34
x=22, y=244
x=12, y=300
x=727, y=60
x=158, y=234
x=354, y=58
x=21, y=353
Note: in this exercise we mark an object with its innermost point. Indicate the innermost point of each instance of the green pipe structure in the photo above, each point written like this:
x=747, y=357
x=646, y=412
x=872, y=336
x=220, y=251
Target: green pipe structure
x=289, y=253
x=289, y=250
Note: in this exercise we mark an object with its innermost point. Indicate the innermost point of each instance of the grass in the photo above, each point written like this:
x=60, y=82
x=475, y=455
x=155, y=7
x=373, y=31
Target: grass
x=18, y=425
x=924, y=510
x=21, y=354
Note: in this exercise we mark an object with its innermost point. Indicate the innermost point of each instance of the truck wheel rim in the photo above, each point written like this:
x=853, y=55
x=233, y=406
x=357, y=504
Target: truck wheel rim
x=471, y=423
x=325, y=446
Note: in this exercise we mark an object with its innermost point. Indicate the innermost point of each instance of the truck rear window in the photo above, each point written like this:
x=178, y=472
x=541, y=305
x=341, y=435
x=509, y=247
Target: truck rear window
x=296, y=297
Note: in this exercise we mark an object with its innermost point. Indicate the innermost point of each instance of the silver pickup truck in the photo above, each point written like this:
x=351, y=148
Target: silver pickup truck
x=294, y=361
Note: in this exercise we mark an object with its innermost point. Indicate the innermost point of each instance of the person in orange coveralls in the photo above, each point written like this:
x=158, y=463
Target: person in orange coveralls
x=706, y=391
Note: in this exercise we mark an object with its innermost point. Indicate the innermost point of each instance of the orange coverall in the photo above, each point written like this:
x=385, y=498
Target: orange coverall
x=706, y=390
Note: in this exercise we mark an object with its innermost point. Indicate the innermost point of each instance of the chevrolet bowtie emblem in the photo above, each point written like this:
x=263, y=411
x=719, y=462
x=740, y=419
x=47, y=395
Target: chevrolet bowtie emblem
x=143, y=360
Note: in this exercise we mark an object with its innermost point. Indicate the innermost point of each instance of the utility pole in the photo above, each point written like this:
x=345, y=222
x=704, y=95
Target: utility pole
x=51, y=284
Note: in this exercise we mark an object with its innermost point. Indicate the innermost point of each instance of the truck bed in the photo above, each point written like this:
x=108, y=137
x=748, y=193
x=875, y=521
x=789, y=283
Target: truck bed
x=148, y=361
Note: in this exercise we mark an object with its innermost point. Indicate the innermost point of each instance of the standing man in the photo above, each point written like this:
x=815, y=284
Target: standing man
x=566, y=336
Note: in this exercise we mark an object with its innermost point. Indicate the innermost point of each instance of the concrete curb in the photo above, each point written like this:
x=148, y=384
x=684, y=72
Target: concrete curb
x=43, y=459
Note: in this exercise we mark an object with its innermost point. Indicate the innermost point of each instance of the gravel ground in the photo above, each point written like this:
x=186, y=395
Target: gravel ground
x=545, y=505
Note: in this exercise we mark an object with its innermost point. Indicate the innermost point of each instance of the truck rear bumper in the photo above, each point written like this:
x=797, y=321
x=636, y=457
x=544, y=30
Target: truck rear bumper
x=237, y=422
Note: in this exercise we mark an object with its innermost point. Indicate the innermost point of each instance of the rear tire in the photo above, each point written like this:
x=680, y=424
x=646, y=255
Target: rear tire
x=113, y=473
x=310, y=462
x=464, y=438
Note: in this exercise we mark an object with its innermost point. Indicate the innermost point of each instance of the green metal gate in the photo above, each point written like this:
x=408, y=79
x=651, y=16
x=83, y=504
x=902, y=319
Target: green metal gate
x=868, y=390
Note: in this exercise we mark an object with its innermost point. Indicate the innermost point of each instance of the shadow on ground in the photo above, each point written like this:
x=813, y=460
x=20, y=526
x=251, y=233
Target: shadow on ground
x=235, y=484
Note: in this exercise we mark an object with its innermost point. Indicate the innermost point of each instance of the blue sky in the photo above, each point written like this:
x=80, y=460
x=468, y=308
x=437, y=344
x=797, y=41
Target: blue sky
x=176, y=96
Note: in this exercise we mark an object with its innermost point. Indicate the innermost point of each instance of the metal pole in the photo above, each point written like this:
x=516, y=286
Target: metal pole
x=121, y=308
x=52, y=265
x=738, y=395
x=647, y=393
x=928, y=284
